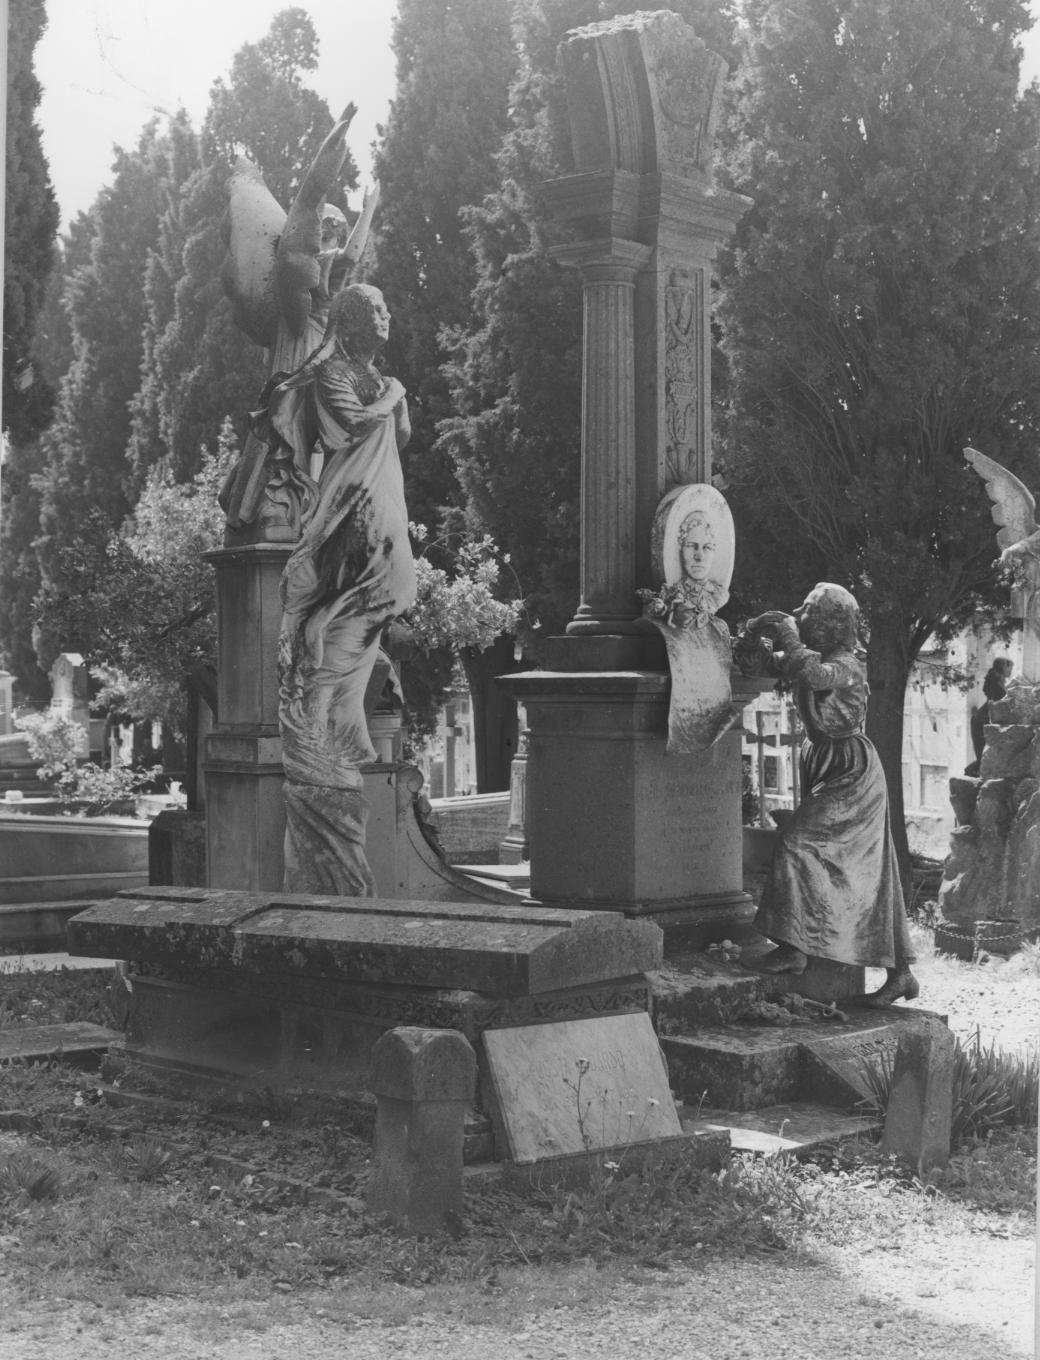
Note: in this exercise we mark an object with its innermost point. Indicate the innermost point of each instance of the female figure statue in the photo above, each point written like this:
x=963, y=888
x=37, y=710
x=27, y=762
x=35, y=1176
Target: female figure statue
x=351, y=573
x=833, y=890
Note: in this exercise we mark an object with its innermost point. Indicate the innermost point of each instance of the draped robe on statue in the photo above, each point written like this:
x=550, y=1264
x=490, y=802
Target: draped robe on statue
x=350, y=573
x=833, y=889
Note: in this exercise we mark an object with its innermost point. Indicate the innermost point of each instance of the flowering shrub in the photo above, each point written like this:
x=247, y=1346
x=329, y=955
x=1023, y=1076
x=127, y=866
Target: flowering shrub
x=462, y=610
x=58, y=744
x=55, y=741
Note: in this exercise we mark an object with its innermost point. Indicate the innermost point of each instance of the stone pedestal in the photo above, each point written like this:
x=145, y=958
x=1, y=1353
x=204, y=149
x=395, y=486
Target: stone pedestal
x=245, y=814
x=615, y=823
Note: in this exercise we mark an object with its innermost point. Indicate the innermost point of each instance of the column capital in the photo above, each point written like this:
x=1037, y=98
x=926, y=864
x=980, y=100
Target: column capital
x=608, y=259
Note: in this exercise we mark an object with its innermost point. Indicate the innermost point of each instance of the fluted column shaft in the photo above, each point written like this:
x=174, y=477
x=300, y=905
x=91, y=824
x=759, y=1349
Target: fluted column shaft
x=608, y=433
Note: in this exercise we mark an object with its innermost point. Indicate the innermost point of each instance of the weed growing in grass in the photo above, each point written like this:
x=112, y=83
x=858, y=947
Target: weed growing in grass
x=24, y=1177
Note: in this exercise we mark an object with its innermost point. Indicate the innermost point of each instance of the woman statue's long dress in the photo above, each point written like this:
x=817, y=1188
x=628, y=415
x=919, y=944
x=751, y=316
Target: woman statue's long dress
x=833, y=890
x=351, y=572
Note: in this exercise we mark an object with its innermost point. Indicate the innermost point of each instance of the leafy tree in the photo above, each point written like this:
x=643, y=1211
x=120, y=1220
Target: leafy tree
x=86, y=478
x=437, y=155
x=455, y=60
x=881, y=308
x=264, y=110
x=140, y=605
x=198, y=368
x=515, y=370
x=30, y=225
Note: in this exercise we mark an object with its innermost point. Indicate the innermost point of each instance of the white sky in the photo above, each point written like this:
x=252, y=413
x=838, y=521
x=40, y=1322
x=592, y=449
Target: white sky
x=107, y=65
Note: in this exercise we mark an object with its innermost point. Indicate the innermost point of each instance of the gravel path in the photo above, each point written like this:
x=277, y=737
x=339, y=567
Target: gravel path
x=948, y=1299
x=948, y=1286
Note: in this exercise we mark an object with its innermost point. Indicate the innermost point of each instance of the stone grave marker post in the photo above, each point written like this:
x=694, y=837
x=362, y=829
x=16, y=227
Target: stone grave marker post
x=920, y=1104
x=613, y=822
x=424, y=1081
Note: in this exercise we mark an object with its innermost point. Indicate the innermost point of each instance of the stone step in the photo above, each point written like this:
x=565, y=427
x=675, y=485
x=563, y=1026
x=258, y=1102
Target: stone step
x=794, y=1128
x=717, y=986
x=515, y=876
x=747, y=1067
x=74, y=1039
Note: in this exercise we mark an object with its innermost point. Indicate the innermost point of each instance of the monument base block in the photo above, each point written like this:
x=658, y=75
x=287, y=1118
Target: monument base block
x=618, y=824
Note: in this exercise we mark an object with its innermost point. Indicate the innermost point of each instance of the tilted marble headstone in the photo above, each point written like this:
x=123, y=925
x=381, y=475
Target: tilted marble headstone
x=692, y=547
x=580, y=1086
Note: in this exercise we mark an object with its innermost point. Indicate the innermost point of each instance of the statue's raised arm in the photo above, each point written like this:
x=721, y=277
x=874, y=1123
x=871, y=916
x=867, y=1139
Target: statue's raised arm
x=299, y=265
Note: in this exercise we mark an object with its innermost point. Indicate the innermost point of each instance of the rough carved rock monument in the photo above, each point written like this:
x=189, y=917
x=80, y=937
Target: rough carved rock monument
x=990, y=891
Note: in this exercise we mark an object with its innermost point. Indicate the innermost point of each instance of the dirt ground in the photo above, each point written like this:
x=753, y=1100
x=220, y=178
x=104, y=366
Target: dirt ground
x=941, y=1282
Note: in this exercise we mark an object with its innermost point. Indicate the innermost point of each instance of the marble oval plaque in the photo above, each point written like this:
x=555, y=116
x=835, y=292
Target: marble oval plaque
x=693, y=536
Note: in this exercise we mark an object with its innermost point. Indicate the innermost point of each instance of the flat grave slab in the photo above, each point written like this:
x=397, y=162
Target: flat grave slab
x=580, y=1086
x=497, y=949
x=797, y=1127
x=36, y=1042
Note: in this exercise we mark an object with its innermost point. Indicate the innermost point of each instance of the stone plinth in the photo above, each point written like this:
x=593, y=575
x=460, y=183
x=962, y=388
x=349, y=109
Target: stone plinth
x=617, y=824
x=245, y=813
x=424, y=1081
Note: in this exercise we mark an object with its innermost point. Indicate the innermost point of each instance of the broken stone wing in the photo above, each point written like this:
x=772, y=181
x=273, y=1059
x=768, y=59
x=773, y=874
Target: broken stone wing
x=255, y=221
x=1013, y=505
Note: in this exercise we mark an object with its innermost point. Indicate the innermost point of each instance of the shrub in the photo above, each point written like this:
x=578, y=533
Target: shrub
x=991, y=1089
x=59, y=744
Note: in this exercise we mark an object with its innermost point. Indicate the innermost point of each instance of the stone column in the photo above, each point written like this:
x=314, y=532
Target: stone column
x=608, y=433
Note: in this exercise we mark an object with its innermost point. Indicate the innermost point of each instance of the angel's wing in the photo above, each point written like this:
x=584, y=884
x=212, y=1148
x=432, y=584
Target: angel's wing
x=1013, y=504
x=254, y=223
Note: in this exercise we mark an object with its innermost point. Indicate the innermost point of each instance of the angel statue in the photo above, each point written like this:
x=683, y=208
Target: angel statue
x=281, y=273
x=1014, y=511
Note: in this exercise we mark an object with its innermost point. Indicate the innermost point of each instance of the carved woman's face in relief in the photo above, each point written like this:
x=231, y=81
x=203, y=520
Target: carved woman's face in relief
x=696, y=548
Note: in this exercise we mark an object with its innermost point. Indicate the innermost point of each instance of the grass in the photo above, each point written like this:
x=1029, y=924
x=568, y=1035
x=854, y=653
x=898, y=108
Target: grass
x=53, y=997
x=108, y=1203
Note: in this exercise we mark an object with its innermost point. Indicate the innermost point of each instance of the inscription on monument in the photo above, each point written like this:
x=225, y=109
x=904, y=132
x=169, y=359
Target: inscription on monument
x=580, y=1086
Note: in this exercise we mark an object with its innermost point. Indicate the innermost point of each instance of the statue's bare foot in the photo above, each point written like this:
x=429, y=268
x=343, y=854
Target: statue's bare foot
x=901, y=984
x=785, y=958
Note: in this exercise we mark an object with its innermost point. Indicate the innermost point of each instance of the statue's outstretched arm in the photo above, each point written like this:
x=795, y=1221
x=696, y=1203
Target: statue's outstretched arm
x=298, y=268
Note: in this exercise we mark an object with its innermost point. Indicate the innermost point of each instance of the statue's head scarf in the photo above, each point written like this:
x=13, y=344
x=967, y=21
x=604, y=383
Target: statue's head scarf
x=835, y=616
x=352, y=317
